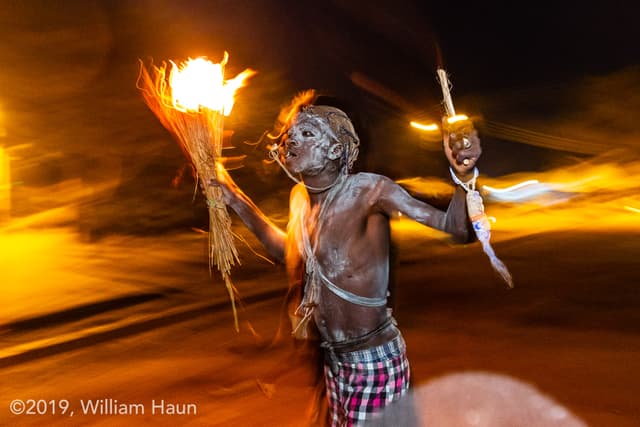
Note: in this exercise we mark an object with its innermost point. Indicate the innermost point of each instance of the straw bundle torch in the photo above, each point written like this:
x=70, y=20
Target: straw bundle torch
x=191, y=101
x=460, y=124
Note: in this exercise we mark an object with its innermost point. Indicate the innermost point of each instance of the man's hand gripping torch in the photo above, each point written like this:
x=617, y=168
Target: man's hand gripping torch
x=459, y=129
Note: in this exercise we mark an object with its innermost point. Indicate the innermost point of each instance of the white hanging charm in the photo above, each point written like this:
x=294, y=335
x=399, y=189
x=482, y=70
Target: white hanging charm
x=475, y=207
x=481, y=224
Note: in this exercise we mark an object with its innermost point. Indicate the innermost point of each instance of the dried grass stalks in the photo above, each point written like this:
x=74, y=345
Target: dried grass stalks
x=199, y=134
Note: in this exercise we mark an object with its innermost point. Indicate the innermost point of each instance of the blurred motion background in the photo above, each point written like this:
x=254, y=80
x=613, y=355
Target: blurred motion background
x=551, y=91
x=97, y=202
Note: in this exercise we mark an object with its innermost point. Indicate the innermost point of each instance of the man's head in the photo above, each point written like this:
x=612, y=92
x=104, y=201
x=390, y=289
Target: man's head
x=318, y=134
x=332, y=123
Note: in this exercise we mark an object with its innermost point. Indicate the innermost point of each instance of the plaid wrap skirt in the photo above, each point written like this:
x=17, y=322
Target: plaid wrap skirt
x=361, y=383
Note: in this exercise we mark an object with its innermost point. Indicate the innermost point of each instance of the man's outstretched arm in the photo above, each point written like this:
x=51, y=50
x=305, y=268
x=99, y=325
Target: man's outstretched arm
x=392, y=198
x=462, y=151
x=269, y=234
x=462, y=148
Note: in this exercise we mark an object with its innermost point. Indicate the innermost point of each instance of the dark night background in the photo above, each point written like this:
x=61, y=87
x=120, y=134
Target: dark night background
x=69, y=71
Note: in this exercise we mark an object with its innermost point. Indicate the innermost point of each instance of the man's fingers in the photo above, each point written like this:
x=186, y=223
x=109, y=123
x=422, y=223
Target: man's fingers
x=463, y=150
x=465, y=160
x=469, y=153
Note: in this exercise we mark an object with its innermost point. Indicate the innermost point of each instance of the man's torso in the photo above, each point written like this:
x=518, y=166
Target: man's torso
x=351, y=243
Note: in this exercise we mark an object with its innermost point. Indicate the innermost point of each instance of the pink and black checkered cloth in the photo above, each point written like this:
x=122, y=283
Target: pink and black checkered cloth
x=361, y=383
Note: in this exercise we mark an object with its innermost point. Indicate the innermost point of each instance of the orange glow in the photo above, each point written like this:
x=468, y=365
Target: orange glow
x=511, y=188
x=5, y=183
x=431, y=127
x=457, y=118
x=600, y=194
x=3, y=130
x=521, y=191
x=199, y=83
x=299, y=207
x=29, y=270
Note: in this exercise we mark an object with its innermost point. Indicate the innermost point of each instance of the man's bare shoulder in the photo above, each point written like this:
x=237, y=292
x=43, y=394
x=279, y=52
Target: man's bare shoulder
x=368, y=188
x=368, y=179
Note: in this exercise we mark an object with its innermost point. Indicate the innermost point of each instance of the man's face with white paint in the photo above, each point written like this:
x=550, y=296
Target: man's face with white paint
x=307, y=144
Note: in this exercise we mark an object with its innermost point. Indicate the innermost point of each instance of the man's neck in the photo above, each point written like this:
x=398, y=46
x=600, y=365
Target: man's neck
x=318, y=184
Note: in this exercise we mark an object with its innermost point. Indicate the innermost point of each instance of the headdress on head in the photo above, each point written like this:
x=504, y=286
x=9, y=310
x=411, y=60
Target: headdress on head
x=340, y=125
x=341, y=128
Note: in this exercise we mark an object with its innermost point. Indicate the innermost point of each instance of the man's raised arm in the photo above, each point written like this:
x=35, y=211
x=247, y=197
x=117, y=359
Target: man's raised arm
x=462, y=151
x=269, y=234
x=392, y=198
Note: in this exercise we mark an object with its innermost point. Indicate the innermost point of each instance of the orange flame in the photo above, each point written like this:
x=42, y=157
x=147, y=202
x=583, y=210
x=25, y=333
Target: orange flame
x=199, y=83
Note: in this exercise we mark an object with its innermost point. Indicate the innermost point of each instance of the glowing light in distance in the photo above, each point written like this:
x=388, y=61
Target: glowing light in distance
x=632, y=209
x=512, y=188
x=431, y=127
x=456, y=118
x=525, y=190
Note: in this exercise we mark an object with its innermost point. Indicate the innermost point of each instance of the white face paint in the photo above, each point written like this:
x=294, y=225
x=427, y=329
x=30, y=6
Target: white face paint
x=307, y=145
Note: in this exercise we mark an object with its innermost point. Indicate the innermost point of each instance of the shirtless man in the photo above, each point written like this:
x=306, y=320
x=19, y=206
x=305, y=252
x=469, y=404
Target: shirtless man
x=336, y=248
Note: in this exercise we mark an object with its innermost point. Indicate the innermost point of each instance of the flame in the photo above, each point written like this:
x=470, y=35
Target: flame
x=199, y=83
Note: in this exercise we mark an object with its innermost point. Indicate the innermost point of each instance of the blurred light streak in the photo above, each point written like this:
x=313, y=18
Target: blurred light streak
x=512, y=188
x=457, y=118
x=587, y=196
x=431, y=127
x=33, y=260
x=521, y=191
x=47, y=266
x=381, y=91
x=539, y=139
x=3, y=129
x=5, y=183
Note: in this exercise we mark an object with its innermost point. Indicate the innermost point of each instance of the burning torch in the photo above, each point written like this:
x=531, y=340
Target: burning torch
x=191, y=100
